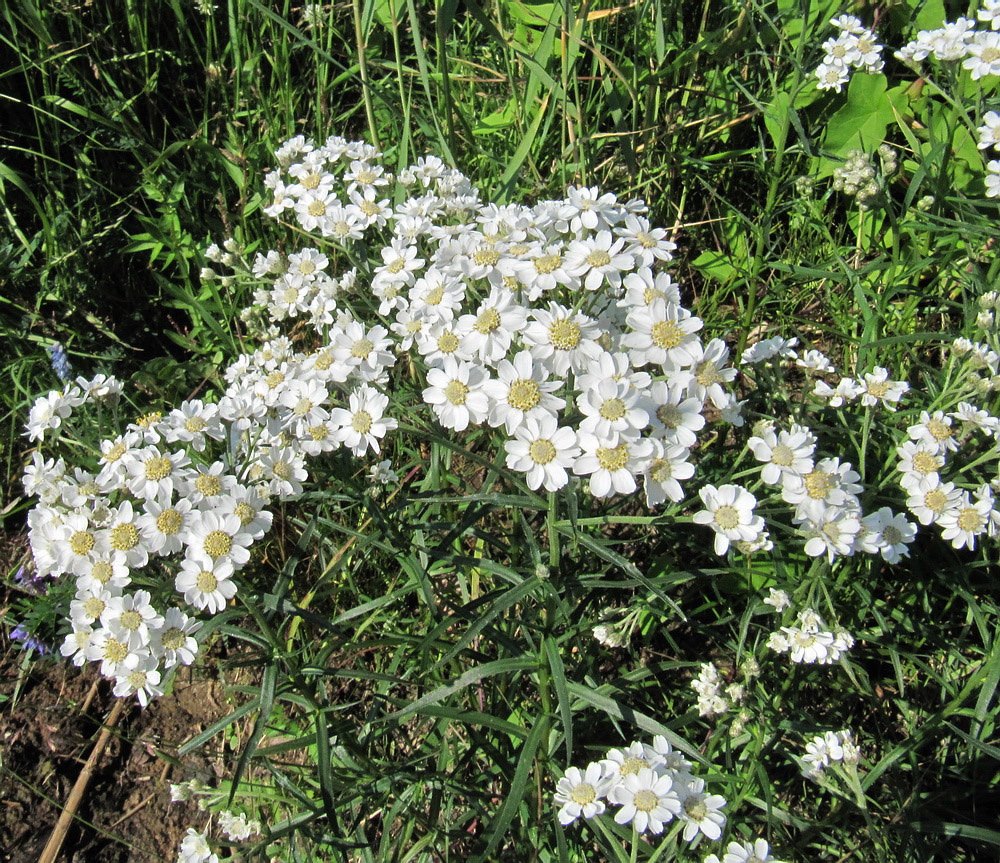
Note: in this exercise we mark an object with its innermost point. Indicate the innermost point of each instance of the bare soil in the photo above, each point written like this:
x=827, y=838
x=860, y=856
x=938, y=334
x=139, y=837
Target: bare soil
x=49, y=722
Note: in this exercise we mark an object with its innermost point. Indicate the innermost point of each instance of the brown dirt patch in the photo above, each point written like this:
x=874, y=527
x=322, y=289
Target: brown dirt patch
x=49, y=722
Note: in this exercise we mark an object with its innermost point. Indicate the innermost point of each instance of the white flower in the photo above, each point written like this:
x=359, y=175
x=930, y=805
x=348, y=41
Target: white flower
x=663, y=474
x=562, y=339
x=456, y=394
x=878, y=388
x=787, y=452
x=700, y=811
x=363, y=426
x=730, y=513
x=195, y=849
x=582, y=793
x=206, y=584
x=612, y=465
x=237, y=827
x=543, y=451
x=648, y=801
x=521, y=389
x=966, y=519
x=777, y=599
x=768, y=349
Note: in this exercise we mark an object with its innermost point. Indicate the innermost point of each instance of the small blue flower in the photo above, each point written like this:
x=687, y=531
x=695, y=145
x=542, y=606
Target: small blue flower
x=28, y=641
x=60, y=362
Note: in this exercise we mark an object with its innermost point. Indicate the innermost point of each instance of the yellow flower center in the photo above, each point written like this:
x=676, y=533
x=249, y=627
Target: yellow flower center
x=925, y=462
x=727, y=517
x=939, y=430
x=598, y=258
x=169, y=521
x=612, y=458
x=892, y=535
x=818, y=484
x=487, y=322
x=545, y=264
x=434, y=296
x=935, y=500
x=158, y=468
x=115, y=452
x=102, y=571
x=782, y=455
x=317, y=433
x=669, y=415
x=524, y=394
x=361, y=422
x=612, y=409
x=93, y=607
x=218, y=543
x=282, y=470
x=632, y=765
x=878, y=389
x=564, y=334
x=542, y=451
x=115, y=650
x=194, y=424
x=245, y=513
x=486, y=256
x=583, y=794
x=173, y=638
x=645, y=800
x=307, y=267
x=396, y=266
x=448, y=343
x=274, y=379
x=706, y=373
x=206, y=582
x=146, y=420
x=316, y=208
x=310, y=181
x=695, y=807
x=130, y=620
x=970, y=519
x=661, y=470
x=124, y=537
x=456, y=392
x=666, y=334
x=208, y=484
x=81, y=542
x=302, y=407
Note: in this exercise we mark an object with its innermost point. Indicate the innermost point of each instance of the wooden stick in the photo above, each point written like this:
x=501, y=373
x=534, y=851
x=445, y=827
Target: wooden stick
x=54, y=845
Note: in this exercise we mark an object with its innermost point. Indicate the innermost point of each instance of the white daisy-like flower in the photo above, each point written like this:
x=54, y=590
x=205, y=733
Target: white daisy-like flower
x=785, y=452
x=920, y=464
x=597, y=260
x=456, y=393
x=887, y=533
x=777, y=599
x=143, y=681
x=729, y=511
x=611, y=407
x=216, y=536
x=934, y=429
x=363, y=425
x=562, y=339
x=929, y=504
x=663, y=475
x=710, y=373
x=965, y=519
x=113, y=653
x=815, y=361
x=832, y=531
x=543, y=451
x=647, y=800
x=675, y=415
x=768, y=349
x=582, y=793
x=521, y=389
x=173, y=641
x=612, y=464
x=660, y=332
x=878, y=388
x=206, y=585
x=130, y=617
x=983, y=55
x=700, y=811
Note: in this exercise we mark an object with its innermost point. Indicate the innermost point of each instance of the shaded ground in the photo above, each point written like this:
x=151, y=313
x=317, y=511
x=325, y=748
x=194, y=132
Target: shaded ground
x=50, y=718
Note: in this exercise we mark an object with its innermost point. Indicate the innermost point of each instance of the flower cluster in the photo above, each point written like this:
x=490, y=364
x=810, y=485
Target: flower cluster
x=552, y=323
x=713, y=697
x=651, y=784
x=810, y=642
x=825, y=749
x=855, y=47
